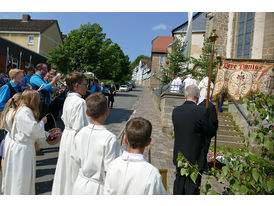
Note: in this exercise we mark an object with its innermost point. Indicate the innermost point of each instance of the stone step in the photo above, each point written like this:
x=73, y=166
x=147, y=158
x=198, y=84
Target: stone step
x=222, y=143
x=228, y=132
x=226, y=127
x=229, y=138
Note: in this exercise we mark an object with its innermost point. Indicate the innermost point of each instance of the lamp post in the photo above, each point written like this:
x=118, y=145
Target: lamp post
x=213, y=37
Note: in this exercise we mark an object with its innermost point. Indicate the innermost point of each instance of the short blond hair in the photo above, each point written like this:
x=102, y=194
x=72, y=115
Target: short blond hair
x=14, y=72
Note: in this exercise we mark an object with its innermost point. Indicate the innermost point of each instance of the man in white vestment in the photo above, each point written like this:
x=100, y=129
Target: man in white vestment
x=176, y=84
x=189, y=81
x=75, y=118
x=131, y=174
x=203, y=89
x=94, y=149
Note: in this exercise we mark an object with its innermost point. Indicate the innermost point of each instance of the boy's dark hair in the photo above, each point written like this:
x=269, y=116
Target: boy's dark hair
x=74, y=77
x=96, y=105
x=138, y=132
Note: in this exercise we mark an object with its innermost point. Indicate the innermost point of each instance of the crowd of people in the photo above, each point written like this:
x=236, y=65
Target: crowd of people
x=90, y=159
x=179, y=85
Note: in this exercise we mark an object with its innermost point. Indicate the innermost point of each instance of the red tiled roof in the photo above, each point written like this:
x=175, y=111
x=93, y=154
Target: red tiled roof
x=160, y=43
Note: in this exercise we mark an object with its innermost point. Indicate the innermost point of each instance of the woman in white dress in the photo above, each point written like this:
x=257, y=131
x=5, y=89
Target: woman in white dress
x=20, y=158
x=75, y=118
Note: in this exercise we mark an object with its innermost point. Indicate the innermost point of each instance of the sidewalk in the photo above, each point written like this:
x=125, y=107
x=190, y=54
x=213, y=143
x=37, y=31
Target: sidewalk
x=161, y=144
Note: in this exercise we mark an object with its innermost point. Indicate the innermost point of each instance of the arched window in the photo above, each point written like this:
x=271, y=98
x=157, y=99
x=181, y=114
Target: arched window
x=244, y=34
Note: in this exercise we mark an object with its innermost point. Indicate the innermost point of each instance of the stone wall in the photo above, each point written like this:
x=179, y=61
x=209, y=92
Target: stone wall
x=218, y=21
x=155, y=66
x=168, y=102
x=268, y=45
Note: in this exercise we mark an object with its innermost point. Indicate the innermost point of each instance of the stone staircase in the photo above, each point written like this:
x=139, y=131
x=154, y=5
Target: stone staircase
x=228, y=134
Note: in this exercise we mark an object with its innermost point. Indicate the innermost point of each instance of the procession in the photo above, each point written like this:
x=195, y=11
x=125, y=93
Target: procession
x=80, y=118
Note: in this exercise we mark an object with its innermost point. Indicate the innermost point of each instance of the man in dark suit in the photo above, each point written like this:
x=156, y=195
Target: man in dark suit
x=191, y=127
x=214, y=121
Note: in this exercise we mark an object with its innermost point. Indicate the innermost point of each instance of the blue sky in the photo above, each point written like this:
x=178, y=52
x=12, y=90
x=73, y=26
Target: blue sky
x=132, y=31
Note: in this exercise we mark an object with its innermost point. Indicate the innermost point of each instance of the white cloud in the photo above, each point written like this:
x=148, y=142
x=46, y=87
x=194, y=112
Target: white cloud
x=159, y=27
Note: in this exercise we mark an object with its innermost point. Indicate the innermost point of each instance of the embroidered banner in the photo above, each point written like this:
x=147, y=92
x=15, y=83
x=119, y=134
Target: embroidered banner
x=239, y=79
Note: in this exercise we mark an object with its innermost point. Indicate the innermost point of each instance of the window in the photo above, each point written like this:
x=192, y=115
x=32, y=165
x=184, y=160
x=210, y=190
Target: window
x=244, y=34
x=162, y=59
x=31, y=40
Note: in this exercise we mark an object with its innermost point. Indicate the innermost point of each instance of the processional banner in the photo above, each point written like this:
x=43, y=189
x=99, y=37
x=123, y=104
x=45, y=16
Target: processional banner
x=241, y=78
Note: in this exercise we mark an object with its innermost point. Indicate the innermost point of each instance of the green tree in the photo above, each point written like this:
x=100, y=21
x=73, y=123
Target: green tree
x=176, y=62
x=201, y=64
x=137, y=60
x=88, y=49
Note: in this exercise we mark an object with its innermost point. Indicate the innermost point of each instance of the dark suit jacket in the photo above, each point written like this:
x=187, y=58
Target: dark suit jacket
x=191, y=127
x=212, y=114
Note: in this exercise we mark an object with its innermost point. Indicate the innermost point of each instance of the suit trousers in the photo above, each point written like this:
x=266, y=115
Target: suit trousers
x=185, y=186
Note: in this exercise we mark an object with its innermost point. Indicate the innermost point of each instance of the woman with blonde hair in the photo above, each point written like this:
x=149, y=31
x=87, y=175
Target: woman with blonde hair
x=6, y=123
x=20, y=161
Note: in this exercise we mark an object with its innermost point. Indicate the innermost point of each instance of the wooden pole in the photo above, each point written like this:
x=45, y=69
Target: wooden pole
x=209, y=76
x=215, y=138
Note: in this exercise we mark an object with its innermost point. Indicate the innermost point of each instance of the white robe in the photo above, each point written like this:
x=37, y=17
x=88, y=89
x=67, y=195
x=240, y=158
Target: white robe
x=131, y=174
x=20, y=157
x=189, y=81
x=94, y=149
x=8, y=127
x=203, y=89
x=175, y=85
x=74, y=117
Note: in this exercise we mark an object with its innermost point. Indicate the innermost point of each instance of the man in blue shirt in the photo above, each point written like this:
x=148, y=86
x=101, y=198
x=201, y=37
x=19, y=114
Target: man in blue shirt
x=95, y=87
x=45, y=89
x=11, y=88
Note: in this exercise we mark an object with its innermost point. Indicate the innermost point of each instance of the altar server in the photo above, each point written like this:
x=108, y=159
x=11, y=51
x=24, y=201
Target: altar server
x=131, y=174
x=20, y=158
x=6, y=123
x=203, y=85
x=75, y=118
x=94, y=149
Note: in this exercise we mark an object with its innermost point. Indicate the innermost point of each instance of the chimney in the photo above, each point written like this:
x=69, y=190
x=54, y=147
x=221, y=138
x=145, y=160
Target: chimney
x=26, y=17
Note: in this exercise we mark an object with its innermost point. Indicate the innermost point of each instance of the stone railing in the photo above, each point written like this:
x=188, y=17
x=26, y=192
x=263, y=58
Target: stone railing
x=168, y=102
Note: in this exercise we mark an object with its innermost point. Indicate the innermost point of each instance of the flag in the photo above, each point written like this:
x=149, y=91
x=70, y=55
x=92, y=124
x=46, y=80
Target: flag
x=188, y=37
x=8, y=59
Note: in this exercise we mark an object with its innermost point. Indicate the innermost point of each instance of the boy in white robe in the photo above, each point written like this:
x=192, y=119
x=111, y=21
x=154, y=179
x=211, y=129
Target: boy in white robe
x=75, y=118
x=94, y=149
x=203, y=89
x=131, y=174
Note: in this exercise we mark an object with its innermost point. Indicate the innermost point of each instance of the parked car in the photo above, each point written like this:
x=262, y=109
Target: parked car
x=124, y=88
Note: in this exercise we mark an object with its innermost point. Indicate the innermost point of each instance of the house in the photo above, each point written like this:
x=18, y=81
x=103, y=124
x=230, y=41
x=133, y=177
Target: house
x=158, y=58
x=142, y=72
x=243, y=35
x=198, y=33
x=37, y=35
